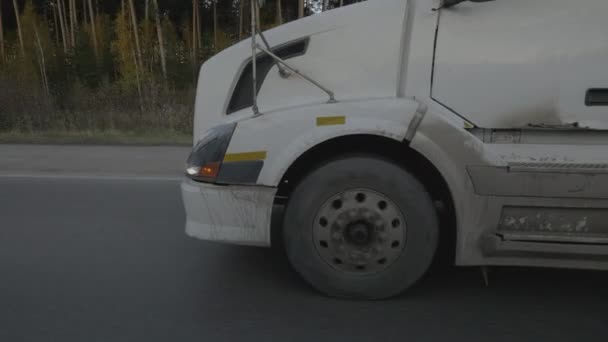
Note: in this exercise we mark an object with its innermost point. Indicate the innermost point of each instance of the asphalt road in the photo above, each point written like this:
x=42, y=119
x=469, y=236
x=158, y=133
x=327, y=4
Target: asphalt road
x=89, y=257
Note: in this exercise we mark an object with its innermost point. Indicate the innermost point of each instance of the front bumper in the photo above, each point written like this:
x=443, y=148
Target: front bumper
x=231, y=214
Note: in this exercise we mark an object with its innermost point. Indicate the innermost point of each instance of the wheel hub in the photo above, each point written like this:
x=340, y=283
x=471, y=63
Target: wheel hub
x=359, y=233
x=359, y=230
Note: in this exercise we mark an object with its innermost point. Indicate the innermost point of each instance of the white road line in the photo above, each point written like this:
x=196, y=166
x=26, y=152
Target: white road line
x=92, y=177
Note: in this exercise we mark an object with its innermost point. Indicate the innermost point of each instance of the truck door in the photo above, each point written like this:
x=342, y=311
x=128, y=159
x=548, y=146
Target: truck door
x=524, y=63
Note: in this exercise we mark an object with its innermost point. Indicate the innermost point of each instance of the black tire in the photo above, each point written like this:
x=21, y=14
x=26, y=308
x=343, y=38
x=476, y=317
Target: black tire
x=378, y=175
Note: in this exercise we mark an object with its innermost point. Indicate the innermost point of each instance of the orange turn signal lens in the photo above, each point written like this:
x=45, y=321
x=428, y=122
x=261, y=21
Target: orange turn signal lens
x=210, y=170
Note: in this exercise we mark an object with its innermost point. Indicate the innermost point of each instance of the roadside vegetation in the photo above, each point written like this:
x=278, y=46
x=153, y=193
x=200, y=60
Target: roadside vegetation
x=112, y=137
x=116, y=70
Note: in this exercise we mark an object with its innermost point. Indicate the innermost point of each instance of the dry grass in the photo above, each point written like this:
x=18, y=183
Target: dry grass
x=110, y=137
x=109, y=108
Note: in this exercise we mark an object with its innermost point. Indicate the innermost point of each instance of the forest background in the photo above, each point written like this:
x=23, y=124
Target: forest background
x=117, y=70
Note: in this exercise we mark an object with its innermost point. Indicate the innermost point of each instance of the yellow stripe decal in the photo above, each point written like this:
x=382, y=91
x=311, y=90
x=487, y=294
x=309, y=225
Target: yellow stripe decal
x=247, y=156
x=331, y=120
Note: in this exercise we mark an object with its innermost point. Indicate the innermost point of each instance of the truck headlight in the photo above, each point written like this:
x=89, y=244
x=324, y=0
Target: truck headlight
x=206, y=158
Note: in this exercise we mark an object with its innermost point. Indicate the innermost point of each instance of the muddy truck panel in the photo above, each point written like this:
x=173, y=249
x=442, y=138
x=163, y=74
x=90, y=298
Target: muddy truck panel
x=379, y=129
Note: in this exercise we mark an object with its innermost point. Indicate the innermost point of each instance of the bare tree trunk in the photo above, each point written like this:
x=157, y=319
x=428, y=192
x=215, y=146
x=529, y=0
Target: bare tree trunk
x=341, y=3
x=147, y=22
x=215, y=26
x=241, y=8
x=257, y=14
x=84, y=12
x=75, y=13
x=68, y=31
x=72, y=11
x=258, y=17
x=56, y=22
x=194, y=30
x=62, y=25
x=199, y=25
x=19, y=31
x=300, y=8
x=2, y=52
x=161, y=44
x=325, y=5
x=136, y=34
x=93, y=30
x=279, y=13
x=64, y=12
x=42, y=63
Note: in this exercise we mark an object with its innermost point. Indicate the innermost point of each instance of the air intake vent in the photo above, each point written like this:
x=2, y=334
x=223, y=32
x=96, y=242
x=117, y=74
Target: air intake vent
x=242, y=97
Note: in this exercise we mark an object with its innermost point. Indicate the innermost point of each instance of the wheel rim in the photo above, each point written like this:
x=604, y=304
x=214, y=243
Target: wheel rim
x=359, y=231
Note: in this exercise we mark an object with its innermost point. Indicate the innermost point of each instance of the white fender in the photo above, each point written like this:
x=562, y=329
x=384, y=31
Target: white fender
x=285, y=135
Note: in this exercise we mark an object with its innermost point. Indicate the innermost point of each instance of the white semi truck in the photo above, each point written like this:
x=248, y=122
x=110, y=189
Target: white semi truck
x=391, y=129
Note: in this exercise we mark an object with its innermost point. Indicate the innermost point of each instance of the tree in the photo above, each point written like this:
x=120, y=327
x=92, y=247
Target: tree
x=19, y=30
x=73, y=21
x=41, y=62
x=279, y=10
x=161, y=44
x=195, y=30
x=84, y=12
x=2, y=52
x=215, y=41
x=199, y=25
x=147, y=10
x=241, y=17
x=136, y=35
x=147, y=37
x=93, y=30
x=56, y=22
x=37, y=45
x=66, y=24
x=125, y=52
x=62, y=25
x=300, y=8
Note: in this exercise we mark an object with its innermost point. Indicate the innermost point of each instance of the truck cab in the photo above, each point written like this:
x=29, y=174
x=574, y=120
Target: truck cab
x=392, y=130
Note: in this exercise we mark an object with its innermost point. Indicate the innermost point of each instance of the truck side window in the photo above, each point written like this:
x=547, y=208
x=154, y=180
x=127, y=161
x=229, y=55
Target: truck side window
x=242, y=96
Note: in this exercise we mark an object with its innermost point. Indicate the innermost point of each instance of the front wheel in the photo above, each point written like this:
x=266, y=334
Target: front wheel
x=360, y=227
